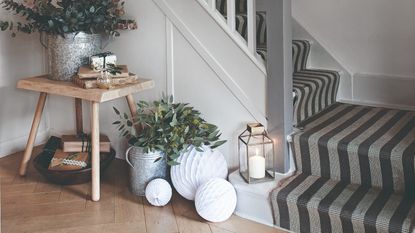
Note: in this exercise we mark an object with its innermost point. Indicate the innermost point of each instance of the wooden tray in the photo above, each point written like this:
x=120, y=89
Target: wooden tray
x=42, y=161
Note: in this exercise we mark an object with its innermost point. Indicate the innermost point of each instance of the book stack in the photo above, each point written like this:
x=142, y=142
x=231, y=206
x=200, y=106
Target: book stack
x=74, y=152
x=88, y=78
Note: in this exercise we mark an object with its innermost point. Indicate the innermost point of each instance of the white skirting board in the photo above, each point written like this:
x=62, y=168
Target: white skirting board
x=18, y=144
x=254, y=200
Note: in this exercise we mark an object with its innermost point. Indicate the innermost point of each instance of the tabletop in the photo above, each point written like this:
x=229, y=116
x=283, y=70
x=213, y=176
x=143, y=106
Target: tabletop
x=43, y=84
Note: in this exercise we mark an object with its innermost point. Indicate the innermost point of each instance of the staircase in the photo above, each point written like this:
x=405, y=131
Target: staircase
x=355, y=173
x=315, y=89
x=355, y=164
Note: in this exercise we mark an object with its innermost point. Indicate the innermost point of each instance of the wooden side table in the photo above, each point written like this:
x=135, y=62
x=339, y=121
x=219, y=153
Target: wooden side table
x=95, y=96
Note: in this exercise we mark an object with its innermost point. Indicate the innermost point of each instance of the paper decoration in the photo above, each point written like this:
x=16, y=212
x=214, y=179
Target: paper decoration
x=215, y=200
x=158, y=192
x=195, y=169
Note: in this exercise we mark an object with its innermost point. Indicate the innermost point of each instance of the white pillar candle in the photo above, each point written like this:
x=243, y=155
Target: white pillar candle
x=257, y=167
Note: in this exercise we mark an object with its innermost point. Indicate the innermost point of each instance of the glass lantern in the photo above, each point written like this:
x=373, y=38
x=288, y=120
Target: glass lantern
x=256, y=154
x=104, y=81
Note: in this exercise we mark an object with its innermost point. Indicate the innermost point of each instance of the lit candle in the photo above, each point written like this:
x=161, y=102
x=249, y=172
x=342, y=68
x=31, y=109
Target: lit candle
x=257, y=166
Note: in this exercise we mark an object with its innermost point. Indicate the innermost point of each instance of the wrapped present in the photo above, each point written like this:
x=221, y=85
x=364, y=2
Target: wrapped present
x=85, y=72
x=68, y=161
x=100, y=61
x=75, y=143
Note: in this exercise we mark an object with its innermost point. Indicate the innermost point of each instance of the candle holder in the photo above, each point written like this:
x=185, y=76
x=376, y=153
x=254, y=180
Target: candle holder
x=256, y=154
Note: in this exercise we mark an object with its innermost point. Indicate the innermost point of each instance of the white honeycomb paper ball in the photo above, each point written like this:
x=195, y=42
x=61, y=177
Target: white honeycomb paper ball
x=158, y=192
x=196, y=168
x=216, y=200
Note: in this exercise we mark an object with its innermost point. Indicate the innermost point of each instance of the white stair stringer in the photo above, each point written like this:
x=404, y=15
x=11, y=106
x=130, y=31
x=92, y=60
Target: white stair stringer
x=241, y=76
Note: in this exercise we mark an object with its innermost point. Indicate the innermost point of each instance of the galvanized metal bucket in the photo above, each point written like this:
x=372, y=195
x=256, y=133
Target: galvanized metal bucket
x=67, y=54
x=143, y=168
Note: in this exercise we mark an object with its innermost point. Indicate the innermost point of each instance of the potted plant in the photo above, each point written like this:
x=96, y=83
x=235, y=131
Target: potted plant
x=167, y=129
x=74, y=29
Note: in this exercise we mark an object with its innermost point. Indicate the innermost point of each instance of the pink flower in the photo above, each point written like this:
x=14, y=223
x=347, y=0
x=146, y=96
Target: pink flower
x=29, y=3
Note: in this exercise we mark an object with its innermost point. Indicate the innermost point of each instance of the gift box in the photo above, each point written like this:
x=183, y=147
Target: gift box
x=68, y=161
x=75, y=143
x=85, y=72
x=100, y=61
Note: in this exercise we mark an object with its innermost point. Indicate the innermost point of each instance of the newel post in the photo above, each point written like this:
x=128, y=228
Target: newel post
x=279, y=82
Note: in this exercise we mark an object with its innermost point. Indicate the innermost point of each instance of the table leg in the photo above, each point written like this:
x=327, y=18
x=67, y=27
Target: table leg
x=95, y=152
x=79, y=122
x=33, y=131
x=133, y=109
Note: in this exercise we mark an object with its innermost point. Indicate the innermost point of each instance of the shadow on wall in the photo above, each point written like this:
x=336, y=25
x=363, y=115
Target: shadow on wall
x=19, y=57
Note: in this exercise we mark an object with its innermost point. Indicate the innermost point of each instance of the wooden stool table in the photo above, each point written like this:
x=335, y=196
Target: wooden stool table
x=96, y=96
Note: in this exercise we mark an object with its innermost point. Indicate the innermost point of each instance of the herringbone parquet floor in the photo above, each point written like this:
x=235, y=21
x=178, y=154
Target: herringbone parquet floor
x=30, y=204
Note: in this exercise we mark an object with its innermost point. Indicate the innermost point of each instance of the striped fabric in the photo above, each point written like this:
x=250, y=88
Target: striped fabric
x=240, y=6
x=301, y=50
x=261, y=35
x=356, y=173
x=316, y=90
x=316, y=204
x=375, y=146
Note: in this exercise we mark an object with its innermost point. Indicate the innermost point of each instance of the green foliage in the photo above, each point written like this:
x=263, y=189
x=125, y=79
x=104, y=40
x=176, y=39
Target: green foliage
x=58, y=17
x=168, y=127
x=112, y=69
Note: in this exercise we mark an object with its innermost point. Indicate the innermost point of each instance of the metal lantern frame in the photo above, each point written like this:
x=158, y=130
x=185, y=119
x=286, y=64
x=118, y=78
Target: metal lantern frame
x=256, y=129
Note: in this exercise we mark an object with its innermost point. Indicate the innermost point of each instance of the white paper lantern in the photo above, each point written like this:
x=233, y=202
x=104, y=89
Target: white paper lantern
x=215, y=200
x=196, y=168
x=158, y=192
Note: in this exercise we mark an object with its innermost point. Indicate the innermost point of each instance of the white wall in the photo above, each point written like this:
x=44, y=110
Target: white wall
x=185, y=73
x=19, y=57
x=144, y=51
x=373, y=37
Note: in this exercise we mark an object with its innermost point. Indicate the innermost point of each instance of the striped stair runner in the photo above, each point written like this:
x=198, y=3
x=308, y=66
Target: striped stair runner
x=315, y=89
x=355, y=164
x=355, y=173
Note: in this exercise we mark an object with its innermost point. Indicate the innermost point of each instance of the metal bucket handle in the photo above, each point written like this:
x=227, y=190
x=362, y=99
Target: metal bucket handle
x=44, y=44
x=127, y=157
x=41, y=39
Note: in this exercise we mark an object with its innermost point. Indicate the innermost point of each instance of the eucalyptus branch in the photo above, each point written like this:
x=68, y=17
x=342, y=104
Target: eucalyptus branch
x=67, y=16
x=169, y=127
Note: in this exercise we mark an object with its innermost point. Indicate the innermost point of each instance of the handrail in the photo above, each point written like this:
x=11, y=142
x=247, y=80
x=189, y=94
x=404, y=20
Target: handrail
x=249, y=46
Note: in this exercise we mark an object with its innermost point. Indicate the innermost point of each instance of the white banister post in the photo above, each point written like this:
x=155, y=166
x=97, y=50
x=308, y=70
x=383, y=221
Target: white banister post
x=212, y=4
x=251, y=17
x=231, y=14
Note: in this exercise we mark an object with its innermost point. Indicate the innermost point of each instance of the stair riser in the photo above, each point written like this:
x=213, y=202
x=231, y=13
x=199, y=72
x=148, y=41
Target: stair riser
x=316, y=90
x=315, y=204
x=367, y=146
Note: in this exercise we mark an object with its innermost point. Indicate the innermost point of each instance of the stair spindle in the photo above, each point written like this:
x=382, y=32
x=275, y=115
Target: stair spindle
x=211, y=4
x=251, y=17
x=231, y=14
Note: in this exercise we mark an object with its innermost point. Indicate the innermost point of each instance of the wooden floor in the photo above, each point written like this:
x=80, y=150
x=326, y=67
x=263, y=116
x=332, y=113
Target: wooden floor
x=31, y=204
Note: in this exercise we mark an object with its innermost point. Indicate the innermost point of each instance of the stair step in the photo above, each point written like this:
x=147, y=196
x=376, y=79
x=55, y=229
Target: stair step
x=316, y=204
x=315, y=90
x=359, y=144
x=301, y=51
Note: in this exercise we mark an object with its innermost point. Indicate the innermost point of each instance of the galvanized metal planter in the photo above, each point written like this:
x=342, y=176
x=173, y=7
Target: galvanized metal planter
x=144, y=169
x=67, y=54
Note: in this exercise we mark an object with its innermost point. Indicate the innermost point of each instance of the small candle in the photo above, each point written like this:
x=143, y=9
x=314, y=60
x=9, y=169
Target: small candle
x=257, y=166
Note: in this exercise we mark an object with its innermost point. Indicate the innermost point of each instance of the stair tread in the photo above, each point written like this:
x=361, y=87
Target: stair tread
x=340, y=207
x=360, y=144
